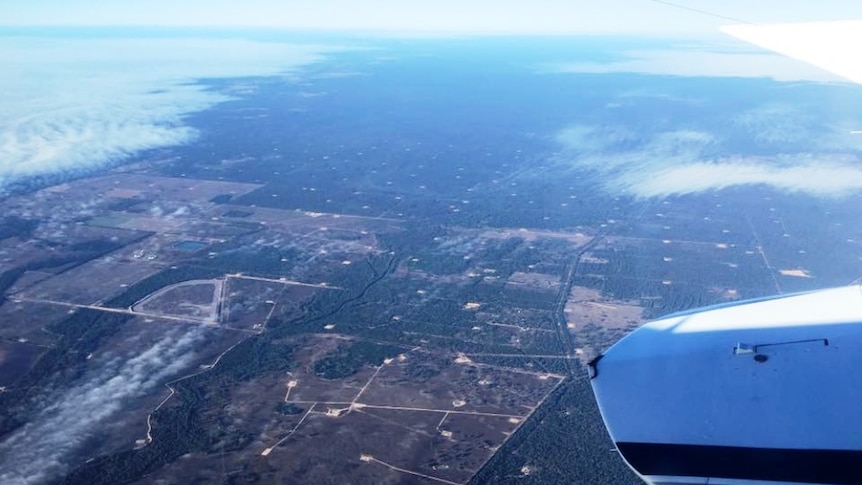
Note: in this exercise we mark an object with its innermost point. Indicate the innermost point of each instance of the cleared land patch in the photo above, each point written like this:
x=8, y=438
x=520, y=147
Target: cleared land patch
x=196, y=298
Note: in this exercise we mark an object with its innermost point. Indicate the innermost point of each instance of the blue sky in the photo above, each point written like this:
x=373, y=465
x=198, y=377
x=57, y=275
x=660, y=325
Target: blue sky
x=478, y=16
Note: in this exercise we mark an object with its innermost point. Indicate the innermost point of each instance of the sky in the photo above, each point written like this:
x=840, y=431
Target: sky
x=473, y=16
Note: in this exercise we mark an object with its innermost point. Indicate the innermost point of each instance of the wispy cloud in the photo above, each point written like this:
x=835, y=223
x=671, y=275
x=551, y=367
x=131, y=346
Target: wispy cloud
x=37, y=452
x=78, y=104
x=797, y=127
x=686, y=162
x=642, y=93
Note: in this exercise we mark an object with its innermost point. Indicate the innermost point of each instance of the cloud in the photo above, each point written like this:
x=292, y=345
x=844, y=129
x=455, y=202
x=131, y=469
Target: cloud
x=822, y=177
x=36, y=452
x=73, y=104
x=700, y=60
x=688, y=161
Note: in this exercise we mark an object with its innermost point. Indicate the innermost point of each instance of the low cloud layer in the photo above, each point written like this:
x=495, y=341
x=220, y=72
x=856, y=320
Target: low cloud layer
x=801, y=145
x=686, y=162
x=696, y=60
x=78, y=104
x=37, y=452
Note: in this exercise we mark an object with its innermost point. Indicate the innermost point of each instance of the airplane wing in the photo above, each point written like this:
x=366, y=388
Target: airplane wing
x=831, y=46
x=759, y=392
